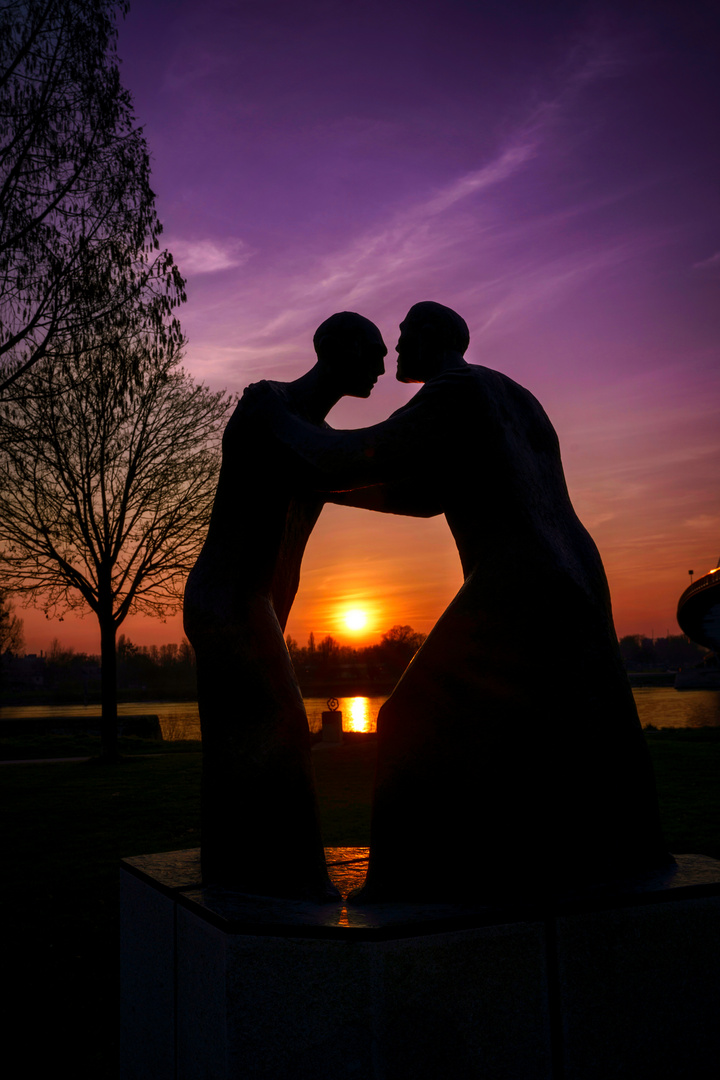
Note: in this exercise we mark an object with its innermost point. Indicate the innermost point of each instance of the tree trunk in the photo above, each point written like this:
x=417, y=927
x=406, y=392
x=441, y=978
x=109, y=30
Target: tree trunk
x=108, y=685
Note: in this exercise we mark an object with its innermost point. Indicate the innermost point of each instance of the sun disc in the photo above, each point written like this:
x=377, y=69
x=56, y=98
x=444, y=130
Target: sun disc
x=355, y=619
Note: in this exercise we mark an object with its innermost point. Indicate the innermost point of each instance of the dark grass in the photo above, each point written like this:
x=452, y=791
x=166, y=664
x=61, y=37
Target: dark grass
x=67, y=826
x=28, y=747
x=687, y=772
x=344, y=777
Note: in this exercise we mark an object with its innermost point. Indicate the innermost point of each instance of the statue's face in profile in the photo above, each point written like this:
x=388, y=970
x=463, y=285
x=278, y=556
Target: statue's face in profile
x=363, y=365
x=409, y=353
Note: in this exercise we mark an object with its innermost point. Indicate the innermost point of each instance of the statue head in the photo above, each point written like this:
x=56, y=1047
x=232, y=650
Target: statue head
x=431, y=336
x=350, y=352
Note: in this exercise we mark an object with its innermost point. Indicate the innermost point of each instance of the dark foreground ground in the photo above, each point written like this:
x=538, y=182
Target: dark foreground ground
x=66, y=825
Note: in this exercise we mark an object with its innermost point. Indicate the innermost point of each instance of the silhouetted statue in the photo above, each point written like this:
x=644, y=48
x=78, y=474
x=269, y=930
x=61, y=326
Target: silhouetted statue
x=510, y=754
x=259, y=816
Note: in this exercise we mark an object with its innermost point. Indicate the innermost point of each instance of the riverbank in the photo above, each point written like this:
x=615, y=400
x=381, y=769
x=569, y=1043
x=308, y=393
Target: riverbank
x=66, y=727
x=339, y=687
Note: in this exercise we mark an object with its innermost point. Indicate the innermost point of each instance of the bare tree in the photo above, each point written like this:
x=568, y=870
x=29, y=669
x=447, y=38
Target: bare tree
x=105, y=492
x=397, y=648
x=79, y=248
x=11, y=627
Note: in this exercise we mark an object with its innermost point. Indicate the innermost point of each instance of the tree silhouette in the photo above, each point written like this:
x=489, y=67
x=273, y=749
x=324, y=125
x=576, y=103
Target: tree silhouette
x=397, y=647
x=106, y=491
x=79, y=249
x=11, y=627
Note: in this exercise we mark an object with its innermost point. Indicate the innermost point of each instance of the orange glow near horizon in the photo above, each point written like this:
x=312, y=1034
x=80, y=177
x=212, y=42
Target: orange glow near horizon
x=402, y=571
x=394, y=570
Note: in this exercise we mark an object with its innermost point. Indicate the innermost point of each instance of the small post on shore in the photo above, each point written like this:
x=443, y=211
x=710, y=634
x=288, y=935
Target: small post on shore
x=332, y=723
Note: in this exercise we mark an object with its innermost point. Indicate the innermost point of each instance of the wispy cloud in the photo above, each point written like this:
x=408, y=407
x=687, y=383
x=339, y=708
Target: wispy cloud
x=508, y=163
x=208, y=256
x=452, y=238
x=713, y=263
x=704, y=521
x=464, y=242
x=408, y=246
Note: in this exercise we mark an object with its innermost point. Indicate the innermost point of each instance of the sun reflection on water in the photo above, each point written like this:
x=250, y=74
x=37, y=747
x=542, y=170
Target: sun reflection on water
x=358, y=718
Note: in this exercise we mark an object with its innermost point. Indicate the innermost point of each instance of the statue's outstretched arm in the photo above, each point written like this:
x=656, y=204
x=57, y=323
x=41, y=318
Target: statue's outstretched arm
x=394, y=452
x=409, y=499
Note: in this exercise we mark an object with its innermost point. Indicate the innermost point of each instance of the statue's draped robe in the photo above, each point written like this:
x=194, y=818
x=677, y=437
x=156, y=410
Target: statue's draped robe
x=259, y=817
x=510, y=754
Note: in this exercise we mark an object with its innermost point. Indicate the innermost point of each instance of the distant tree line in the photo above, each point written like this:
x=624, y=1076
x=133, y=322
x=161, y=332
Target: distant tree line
x=64, y=676
x=327, y=666
x=660, y=654
x=324, y=667
x=152, y=672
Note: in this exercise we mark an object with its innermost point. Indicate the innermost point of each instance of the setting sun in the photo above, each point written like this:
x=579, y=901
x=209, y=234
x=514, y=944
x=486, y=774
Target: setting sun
x=355, y=619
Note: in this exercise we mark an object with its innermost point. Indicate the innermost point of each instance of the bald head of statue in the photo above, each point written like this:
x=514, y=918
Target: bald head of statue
x=432, y=339
x=350, y=352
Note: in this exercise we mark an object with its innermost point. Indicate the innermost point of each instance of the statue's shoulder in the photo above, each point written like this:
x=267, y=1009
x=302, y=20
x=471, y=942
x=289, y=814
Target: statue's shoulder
x=477, y=391
x=264, y=388
x=494, y=383
x=256, y=400
x=508, y=398
x=481, y=375
x=260, y=394
x=467, y=382
x=463, y=376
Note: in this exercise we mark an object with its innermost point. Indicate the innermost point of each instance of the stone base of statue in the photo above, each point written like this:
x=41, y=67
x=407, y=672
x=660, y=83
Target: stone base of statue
x=619, y=981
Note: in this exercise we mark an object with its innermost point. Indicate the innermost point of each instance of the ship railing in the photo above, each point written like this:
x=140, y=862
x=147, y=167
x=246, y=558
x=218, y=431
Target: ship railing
x=705, y=582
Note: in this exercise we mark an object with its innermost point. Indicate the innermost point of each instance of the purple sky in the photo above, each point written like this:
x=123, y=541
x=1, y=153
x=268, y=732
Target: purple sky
x=552, y=171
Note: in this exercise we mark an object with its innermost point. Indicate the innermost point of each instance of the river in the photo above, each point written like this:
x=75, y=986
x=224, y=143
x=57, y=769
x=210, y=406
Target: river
x=659, y=707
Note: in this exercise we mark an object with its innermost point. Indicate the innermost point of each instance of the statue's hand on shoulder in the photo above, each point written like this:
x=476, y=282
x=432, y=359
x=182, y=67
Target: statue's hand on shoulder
x=257, y=397
x=269, y=402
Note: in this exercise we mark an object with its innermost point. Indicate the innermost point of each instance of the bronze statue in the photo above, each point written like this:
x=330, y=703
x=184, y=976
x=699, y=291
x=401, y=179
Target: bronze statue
x=510, y=754
x=259, y=817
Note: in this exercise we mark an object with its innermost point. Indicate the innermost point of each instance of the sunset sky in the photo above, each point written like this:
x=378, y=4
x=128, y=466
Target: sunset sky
x=549, y=170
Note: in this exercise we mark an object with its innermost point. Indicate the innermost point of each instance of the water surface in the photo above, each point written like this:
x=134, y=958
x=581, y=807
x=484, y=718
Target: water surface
x=659, y=707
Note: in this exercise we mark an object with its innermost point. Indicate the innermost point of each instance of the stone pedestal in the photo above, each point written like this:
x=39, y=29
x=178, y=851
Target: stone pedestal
x=613, y=982
x=332, y=729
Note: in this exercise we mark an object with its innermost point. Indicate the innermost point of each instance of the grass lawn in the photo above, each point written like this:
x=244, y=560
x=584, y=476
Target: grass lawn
x=68, y=824
x=687, y=771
